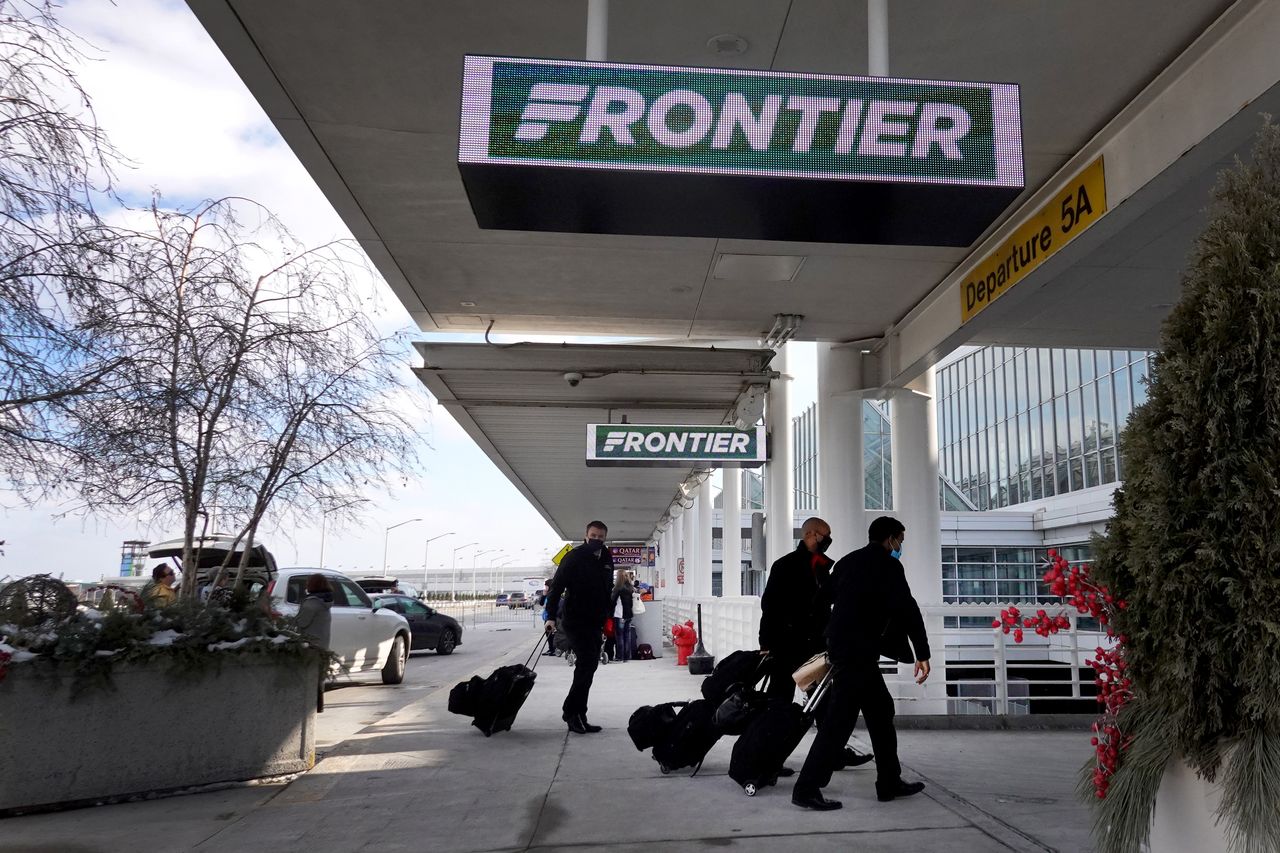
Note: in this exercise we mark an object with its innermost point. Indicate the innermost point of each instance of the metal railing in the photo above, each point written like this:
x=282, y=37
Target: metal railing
x=486, y=611
x=987, y=673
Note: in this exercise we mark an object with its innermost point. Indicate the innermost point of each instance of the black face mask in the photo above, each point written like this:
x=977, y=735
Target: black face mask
x=823, y=544
x=596, y=545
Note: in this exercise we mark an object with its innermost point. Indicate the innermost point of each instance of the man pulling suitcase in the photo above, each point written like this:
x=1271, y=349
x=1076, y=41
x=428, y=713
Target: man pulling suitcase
x=585, y=581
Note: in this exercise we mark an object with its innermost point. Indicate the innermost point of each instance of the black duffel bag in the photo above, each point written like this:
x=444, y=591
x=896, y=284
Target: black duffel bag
x=739, y=708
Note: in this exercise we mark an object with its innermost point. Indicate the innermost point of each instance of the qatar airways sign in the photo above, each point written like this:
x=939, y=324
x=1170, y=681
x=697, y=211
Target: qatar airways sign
x=651, y=135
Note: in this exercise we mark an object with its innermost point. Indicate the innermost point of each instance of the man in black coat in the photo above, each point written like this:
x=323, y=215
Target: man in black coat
x=585, y=581
x=873, y=614
x=794, y=611
x=795, y=607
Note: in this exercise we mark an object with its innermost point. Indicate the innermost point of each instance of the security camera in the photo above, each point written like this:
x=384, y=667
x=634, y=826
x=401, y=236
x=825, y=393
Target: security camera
x=573, y=379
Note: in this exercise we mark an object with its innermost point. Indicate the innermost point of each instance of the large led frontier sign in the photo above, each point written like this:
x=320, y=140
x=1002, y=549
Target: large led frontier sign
x=605, y=147
x=651, y=445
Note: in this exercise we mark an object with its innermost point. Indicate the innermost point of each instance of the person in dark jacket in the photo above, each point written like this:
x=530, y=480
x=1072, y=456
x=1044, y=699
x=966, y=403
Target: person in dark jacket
x=873, y=614
x=795, y=607
x=622, y=615
x=794, y=612
x=585, y=581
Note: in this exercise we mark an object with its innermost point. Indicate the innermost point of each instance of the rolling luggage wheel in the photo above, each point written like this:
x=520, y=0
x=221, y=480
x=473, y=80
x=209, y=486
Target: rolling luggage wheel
x=750, y=789
x=664, y=768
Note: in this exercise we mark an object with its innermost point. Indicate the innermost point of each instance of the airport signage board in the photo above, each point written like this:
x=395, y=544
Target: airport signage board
x=654, y=445
x=624, y=148
x=1071, y=212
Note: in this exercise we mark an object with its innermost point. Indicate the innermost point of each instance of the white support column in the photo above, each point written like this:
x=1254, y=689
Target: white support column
x=913, y=422
x=841, y=474
x=597, y=30
x=779, y=476
x=685, y=550
x=731, y=533
x=702, y=556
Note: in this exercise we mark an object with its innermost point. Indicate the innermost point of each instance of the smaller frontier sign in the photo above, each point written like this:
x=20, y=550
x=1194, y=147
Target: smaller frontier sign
x=654, y=445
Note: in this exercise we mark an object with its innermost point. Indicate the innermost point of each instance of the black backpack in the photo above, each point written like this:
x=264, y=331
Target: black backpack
x=692, y=735
x=739, y=668
x=652, y=724
x=465, y=696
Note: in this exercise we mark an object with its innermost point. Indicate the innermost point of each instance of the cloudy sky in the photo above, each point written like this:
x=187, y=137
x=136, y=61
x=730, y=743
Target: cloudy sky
x=172, y=104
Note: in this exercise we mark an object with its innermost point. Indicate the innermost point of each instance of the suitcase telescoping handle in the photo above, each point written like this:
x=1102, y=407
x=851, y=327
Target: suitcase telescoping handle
x=537, y=651
x=811, y=704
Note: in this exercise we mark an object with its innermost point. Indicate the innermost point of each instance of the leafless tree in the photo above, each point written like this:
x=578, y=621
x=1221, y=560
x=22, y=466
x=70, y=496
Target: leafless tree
x=272, y=390
x=54, y=161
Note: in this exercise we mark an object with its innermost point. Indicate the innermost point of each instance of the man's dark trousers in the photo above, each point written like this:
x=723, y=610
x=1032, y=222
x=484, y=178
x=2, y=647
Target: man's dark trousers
x=586, y=648
x=854, y=688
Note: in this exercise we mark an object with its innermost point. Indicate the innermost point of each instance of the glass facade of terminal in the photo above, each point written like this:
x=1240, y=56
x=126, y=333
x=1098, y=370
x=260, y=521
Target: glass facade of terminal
x=1018, y=424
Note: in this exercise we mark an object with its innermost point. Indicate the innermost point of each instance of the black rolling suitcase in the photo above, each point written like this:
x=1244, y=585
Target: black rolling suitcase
x=496, y=701
x=773, y=735
x=691, y=737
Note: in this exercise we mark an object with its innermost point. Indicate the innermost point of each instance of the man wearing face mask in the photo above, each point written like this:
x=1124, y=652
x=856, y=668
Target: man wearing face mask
x=795, y=607
x=585, y=581
x=873, y=614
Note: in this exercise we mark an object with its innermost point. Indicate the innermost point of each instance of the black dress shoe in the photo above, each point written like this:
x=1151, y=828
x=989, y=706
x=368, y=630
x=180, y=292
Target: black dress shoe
x=587, y=728
x=885, y=793
x=814, y=801
x=576, y=723
x=852, y=758
x=785, y=772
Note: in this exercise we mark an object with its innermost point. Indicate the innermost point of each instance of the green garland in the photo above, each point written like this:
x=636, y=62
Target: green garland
x=88, y=646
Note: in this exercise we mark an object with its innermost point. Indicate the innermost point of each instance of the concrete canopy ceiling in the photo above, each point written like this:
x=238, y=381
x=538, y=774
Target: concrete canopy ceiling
x=515, y=404
x=368, y=96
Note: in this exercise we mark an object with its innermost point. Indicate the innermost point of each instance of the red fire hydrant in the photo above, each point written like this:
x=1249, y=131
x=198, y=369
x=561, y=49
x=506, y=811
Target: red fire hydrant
x=685, y=638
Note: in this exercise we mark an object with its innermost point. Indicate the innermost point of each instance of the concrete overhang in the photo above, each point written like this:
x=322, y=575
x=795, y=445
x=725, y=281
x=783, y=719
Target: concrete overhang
x=515, y=403
x=367, y=94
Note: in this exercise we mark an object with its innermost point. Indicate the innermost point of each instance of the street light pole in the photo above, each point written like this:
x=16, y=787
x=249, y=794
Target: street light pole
x=386, y=537
x=425, y=551
x=473, y=570
x=453, y=572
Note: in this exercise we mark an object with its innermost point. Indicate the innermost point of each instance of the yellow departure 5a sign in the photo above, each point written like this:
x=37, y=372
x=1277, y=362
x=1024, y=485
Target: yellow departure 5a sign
x=561, y=554
x=1077, y=206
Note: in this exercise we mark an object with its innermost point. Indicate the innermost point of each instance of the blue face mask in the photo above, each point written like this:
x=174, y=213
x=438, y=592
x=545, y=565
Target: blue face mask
x=896, y=553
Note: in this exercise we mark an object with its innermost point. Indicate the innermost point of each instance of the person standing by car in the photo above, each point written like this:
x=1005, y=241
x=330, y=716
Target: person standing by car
x=159, y=592
x=622, y=614
x=315, y=623
x=583, y=580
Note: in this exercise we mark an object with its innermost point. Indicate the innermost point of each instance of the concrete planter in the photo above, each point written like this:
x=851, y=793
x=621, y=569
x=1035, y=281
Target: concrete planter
x=154, y=731
x=1185, y=808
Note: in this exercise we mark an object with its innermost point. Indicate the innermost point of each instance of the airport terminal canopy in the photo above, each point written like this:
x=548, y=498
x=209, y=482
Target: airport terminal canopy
x=1127, y=113
x=527, y=407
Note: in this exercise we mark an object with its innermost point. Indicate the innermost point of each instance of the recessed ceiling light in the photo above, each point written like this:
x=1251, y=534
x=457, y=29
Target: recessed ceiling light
x=727, y=44
x=757, y=267
x=467, y=304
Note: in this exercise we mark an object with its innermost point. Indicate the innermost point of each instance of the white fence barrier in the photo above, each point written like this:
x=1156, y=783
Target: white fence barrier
x=987, y=672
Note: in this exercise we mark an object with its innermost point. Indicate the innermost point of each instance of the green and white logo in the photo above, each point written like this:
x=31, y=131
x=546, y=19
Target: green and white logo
x=649, y=444
x=605, y=115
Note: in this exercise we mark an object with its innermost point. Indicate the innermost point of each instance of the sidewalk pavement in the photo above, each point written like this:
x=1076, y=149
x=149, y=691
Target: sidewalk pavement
x=424, y=779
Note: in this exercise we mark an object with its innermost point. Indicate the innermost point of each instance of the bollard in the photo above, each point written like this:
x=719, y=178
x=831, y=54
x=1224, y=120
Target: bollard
x=700, y=662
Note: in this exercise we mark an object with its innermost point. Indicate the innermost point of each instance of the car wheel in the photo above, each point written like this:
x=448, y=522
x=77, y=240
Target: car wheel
x=393, y=671
x=446, y=643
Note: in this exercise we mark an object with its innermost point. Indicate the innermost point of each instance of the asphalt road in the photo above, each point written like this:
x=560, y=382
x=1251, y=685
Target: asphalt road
x=360, y=701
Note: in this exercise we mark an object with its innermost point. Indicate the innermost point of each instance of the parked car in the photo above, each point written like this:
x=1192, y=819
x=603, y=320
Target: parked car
x=431, y=628
x=388, y=586
x=519, y=599
x=365, y=638
x=501, y=600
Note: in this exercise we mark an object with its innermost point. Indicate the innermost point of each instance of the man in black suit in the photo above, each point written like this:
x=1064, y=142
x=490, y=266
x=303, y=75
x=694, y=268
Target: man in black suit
x=586, y=575
x=873, y=614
